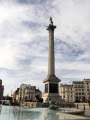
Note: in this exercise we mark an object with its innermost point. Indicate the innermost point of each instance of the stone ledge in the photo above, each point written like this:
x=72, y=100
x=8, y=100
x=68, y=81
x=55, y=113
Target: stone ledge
x=74, y=116
x=51, y=78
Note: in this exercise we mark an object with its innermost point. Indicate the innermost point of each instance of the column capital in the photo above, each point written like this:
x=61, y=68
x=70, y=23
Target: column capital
x=51, y=27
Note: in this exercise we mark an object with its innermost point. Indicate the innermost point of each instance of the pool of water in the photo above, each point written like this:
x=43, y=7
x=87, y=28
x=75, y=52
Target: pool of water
x=21, y=113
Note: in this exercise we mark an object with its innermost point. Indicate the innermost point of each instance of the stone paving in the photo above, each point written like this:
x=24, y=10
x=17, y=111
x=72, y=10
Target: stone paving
x=74, y=117
x=86, y=114
x=87, y=110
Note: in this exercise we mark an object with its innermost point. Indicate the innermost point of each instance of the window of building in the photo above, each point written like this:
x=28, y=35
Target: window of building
x=87, y=89
x=79, y=98
x=63, y=96
x=76, y=97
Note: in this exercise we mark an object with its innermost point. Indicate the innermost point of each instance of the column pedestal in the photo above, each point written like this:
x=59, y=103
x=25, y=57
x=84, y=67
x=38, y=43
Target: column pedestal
x=51, y=89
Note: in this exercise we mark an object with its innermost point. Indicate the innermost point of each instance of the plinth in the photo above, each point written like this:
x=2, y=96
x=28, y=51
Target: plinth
x=51, y=89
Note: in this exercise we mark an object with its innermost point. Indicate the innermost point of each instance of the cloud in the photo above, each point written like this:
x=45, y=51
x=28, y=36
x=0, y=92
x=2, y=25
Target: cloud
x=24, y=40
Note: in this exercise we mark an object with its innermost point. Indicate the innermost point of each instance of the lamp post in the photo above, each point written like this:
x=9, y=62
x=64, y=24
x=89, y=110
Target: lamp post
x=20, y=96
x=89, y=98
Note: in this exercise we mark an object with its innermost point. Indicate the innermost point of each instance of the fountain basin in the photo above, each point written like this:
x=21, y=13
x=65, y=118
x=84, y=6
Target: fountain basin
x=72, y=111
x=26, y=113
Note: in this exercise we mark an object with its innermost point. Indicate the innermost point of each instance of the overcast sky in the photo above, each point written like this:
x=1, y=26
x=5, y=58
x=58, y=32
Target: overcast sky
x=24, y=41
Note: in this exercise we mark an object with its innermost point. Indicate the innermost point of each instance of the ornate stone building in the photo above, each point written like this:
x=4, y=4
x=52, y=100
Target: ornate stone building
x=67, y=92
x=26, y=92
x=78, y=91
x=1, y=90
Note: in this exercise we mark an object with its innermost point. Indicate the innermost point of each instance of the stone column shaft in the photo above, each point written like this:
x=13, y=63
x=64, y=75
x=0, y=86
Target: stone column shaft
x=51, y=60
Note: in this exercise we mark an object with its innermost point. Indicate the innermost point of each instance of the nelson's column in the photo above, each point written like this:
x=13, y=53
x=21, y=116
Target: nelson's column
x=51, y=82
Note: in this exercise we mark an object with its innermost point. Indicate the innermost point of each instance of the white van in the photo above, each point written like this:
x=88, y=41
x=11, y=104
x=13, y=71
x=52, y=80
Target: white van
x=5, y=102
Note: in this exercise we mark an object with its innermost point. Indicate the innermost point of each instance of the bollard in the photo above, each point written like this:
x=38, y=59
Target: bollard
x=42, y=105
x=63, y=106
x=84, y=106
x=32, y=104
x=77, y=106
x=89, y=105
x=70, y=106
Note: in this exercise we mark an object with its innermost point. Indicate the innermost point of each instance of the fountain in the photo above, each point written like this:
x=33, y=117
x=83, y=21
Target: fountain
x=53, y=105
x=23, y=113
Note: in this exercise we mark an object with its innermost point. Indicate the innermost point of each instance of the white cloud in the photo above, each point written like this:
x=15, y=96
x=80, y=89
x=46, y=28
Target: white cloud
x=24, y=40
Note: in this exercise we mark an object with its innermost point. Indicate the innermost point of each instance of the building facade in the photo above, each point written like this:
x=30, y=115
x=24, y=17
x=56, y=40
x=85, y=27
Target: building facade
x=79, y=91
x=1, y=90
x=67, y=92
x=26, y=92
x=87, y=89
